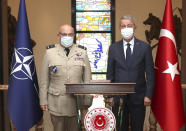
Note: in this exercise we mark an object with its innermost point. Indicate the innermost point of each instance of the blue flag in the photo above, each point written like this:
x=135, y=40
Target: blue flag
x=23, y=95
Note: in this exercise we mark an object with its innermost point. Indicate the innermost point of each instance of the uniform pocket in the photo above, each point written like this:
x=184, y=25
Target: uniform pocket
x=54, y=91
x=78, y=63
x=53, y=99
x=77, y=68
x=55, y=69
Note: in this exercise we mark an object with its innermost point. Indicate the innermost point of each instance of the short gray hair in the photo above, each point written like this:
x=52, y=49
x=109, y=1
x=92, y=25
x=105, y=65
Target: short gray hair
x=128, y=17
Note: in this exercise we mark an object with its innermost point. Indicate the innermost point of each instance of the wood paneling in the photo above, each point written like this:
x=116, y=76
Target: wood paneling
x=183, y=49
x=183, y=65
x=1, y=70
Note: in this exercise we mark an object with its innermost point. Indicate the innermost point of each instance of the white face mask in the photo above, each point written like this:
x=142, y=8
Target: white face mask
x=127, y=33
x=66, y=41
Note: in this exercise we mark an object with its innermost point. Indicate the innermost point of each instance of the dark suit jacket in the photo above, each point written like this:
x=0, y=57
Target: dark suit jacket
x=140, y=69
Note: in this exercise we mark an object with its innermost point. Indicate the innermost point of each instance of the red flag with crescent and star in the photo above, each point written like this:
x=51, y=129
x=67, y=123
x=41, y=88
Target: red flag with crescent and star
x=167, y=102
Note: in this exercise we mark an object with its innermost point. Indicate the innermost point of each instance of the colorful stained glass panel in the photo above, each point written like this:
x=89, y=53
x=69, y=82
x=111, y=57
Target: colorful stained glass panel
x=93, y=4
x=93, y=21
x=98, y=76
x=97, y=49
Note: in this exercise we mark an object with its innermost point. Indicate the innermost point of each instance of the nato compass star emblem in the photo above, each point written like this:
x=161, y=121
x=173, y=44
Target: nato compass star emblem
x=22, y=65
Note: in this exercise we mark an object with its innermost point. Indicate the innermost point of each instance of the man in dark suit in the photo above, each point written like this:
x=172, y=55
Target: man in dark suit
x=130, y=60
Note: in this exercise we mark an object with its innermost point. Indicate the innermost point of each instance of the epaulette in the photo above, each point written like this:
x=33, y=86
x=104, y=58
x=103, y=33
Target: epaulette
x=50, y=46
x=82, y=47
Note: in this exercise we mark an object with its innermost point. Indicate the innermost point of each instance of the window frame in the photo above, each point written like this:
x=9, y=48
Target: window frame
x=112, y=32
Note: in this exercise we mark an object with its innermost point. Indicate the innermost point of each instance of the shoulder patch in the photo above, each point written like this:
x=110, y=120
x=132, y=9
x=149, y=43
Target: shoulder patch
x=82, y=47
x=50, y=46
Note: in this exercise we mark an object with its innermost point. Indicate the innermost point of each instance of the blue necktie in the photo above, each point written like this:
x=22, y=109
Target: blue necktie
x=128, y=53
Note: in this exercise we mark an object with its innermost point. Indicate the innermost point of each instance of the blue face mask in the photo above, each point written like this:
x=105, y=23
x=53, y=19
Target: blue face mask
x=66, y=41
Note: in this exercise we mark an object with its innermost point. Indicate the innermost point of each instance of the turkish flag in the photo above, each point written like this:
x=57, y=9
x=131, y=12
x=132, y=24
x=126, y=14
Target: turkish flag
x=167, y=102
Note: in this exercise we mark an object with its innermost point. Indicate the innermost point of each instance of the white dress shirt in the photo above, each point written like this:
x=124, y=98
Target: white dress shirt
x=125, y=46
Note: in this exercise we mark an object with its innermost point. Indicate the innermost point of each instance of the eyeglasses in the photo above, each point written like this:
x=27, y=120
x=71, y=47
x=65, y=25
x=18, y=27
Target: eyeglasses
x=65, y=34
x=127, y=26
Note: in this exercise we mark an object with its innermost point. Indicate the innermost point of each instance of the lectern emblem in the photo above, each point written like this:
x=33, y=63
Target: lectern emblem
x=100, y=119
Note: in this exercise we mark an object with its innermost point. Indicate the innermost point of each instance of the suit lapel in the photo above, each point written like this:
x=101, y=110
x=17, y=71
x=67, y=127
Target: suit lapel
x=121, y=52
x=136, y=51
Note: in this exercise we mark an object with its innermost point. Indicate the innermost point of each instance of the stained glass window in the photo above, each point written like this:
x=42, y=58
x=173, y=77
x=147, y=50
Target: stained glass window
x=98, y=76
x=97, y=49
x=93, y=21
x=93, y=5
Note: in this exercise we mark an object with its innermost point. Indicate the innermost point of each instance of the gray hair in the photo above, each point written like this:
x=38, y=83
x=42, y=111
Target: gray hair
x=128, y=17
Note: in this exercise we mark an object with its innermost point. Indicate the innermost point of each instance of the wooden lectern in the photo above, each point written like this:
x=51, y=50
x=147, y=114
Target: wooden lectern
x=100, y=87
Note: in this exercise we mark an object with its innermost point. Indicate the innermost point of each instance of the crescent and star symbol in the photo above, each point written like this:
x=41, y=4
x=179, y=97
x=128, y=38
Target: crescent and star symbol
x=99, y=119
x=172, y=68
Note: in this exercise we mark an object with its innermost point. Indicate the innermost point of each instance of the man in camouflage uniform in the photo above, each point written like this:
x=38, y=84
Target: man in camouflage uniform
x=64, y=63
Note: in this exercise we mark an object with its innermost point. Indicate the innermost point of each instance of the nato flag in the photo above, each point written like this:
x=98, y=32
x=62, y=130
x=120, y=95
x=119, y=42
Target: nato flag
x=23, y=98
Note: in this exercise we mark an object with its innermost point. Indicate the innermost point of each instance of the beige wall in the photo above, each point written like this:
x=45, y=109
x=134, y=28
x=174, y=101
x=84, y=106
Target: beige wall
x=140, y=9
x=45, y=17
